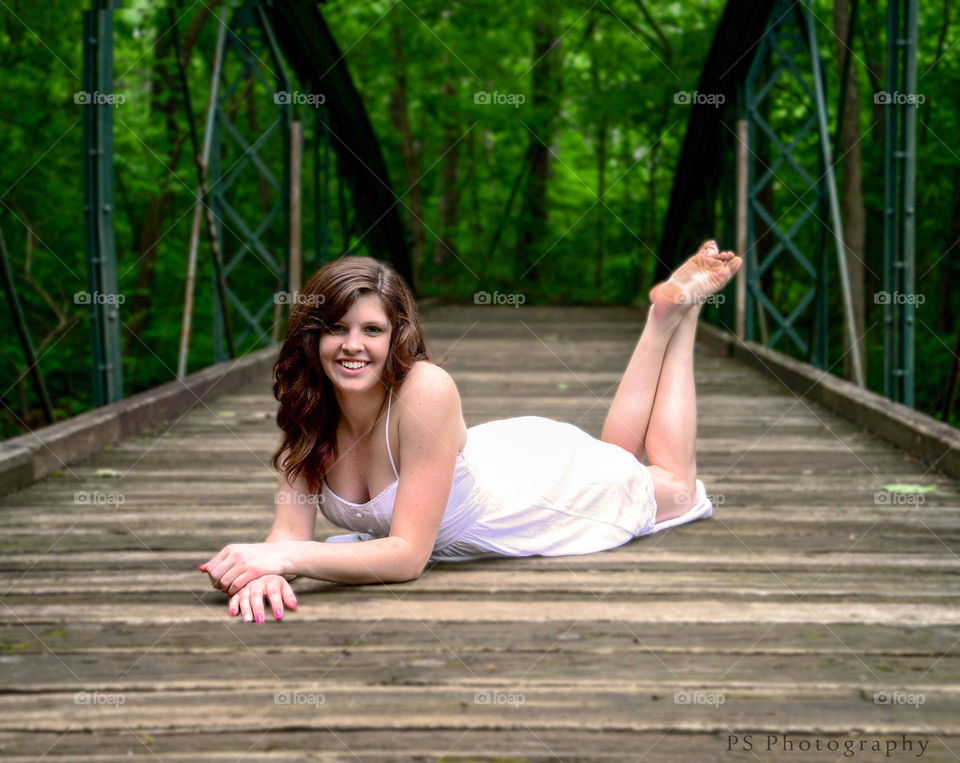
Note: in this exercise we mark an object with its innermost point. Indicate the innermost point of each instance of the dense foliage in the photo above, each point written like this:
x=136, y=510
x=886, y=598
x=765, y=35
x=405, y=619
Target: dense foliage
x=532, y=146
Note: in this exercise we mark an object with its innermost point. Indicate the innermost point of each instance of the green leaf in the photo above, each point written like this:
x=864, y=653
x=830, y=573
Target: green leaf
x=897, y=488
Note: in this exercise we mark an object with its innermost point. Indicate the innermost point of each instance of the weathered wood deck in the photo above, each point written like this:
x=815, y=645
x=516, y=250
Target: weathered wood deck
x=784, y=614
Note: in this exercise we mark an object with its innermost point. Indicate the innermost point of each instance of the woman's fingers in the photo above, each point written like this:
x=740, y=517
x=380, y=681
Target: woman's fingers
x=289, y=598
x=238, y=582
x=250, y=598
x=276, y=600
x=256, y=603
x=234, y=579
x=245, y=605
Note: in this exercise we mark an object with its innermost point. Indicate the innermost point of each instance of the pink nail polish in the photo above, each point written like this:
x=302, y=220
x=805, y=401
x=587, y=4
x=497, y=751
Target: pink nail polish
x=259, y=618
x=277, y=613
x=233, y=611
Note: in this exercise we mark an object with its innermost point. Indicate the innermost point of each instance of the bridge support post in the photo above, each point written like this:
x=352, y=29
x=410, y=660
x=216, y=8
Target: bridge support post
x=97, y=101
x=899, y=213
x=775, y=160
x=257, y=254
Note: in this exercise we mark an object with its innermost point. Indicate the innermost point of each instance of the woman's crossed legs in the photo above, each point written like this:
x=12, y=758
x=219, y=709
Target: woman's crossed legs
x=655, y=408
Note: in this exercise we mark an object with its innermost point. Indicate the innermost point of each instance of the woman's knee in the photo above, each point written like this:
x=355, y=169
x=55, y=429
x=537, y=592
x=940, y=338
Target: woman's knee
x=674, y=494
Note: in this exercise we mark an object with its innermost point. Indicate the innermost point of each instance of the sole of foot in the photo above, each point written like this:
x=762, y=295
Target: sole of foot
x=702, y=275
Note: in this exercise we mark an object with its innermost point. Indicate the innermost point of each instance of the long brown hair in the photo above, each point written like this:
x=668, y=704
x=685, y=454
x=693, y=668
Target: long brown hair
x=309, y=411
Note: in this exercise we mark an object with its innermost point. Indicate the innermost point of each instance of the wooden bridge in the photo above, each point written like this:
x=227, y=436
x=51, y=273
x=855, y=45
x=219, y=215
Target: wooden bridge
x=813, y=608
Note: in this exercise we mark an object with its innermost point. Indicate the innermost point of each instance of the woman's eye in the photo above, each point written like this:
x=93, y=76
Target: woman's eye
x=342, y=328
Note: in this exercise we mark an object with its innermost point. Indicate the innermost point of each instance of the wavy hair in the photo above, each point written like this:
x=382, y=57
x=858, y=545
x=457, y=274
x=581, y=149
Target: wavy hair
x=309, y=411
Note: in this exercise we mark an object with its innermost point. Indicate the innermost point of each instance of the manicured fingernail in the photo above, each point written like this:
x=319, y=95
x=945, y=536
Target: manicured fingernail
x=259, y=618
x=278, y=613
x=247, y=618
x=233, y=611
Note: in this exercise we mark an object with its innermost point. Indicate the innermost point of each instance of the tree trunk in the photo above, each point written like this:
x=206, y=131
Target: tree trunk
x=400, y=116
x=446, y=248
x=872, y=22
x=601, y=156
x=164, y=103
x=601, y=190
x=853, y=211
x=532, y=244
x=475, y=218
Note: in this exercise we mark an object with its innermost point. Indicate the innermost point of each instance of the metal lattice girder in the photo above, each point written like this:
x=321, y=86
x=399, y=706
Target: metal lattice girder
x=788, y=38
x=899, y=267
x=250, y=57
x=97, y=101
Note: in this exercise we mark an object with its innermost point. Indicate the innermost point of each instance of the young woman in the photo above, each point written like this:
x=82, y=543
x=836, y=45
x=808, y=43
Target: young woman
x=373, y=433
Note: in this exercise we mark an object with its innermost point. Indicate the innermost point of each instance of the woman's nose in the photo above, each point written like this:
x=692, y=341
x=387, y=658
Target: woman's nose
x=353, y=343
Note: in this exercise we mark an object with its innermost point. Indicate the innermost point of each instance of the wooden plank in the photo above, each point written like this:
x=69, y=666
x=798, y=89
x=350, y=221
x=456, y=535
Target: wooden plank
x=300, y=634
x=390, y=604
x=562, y=705
x=167, y=669
x=533, y=743
x=635, y=582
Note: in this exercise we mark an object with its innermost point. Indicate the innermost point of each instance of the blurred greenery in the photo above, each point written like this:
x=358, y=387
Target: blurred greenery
x=607, y=115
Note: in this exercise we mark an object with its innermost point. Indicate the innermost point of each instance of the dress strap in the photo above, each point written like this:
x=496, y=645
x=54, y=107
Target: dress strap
x=387, y=430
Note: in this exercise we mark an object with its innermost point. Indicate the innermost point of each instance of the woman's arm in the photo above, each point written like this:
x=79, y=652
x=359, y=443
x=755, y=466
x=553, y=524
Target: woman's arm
x=294, y=520
x=295, y=515
x=429, y=433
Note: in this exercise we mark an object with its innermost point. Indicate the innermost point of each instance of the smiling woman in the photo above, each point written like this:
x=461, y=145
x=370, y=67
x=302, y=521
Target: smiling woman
x=418, y=486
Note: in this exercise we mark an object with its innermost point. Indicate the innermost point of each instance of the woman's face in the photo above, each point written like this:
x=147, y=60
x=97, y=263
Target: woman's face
x=362, y=334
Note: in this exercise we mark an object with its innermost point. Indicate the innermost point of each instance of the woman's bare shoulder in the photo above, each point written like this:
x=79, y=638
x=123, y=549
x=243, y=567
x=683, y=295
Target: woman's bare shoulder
x=425, y=378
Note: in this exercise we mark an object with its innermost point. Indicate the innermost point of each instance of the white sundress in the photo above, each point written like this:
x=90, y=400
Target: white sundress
x=526, y=486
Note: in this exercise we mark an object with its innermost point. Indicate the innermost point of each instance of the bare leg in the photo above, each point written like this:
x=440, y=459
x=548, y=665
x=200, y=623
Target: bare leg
x=629, y=414
x=672, y=433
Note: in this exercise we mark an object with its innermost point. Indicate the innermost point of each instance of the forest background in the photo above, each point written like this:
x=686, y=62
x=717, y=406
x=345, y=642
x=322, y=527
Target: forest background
x=555, y=185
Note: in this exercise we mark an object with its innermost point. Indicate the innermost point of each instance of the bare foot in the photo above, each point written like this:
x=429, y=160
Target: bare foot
x=705, y=273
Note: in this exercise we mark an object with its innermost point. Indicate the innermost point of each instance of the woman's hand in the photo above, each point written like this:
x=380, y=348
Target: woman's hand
x=239, y=563
x=249, y=600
